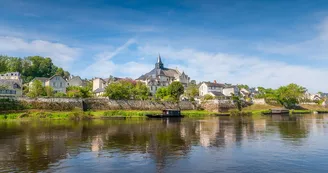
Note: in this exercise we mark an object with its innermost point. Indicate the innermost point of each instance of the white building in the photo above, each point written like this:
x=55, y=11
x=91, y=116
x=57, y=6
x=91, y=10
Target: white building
x=11, y=84
x=217, y=89
x=161, y=76
x=57, y=82
x=210, y=88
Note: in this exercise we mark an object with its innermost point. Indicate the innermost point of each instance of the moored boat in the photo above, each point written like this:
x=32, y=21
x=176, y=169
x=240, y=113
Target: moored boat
x=277, y=111
x=167, y=113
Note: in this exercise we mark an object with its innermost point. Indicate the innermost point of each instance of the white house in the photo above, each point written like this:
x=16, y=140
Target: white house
x=161, y=76
x=230, y=90
x=208, y=87
x=244, y=92
x=57, y=82
x=11, y=84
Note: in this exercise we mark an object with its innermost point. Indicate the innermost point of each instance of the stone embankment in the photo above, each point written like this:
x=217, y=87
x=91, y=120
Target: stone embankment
x=66, y=104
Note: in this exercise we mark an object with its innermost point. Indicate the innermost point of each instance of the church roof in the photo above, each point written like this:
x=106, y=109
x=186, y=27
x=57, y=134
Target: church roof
x=159, y=72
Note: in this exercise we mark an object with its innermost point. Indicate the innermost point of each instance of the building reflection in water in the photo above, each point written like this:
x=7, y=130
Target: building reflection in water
x=36, y=146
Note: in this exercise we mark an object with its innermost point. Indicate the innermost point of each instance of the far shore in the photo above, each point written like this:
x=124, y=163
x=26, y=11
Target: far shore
x=100, y=114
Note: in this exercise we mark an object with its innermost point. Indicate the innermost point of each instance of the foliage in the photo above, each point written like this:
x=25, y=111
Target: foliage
x=30, y=67
x=49, y=91
x=141, y=91
x=208, y=97
x=237, y=101
x=36, y=89
x=79, y=92
x=192, y=91
x=289, y=95
x=171, y=93
x=62, y=73
x=175, y=90
x=193, y=82
x=60, y=94
x=127, y=89
x=161, y=93
x=286, y=96
x=240, y=86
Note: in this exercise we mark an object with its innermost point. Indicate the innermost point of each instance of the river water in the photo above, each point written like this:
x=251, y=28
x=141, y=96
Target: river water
x=214, y=144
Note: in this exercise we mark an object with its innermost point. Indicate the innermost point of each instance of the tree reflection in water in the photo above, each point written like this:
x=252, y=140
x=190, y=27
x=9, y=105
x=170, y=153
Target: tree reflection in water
x=38, y=145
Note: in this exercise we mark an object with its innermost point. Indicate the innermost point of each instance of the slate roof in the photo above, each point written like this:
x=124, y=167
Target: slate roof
x=159, y=72
x=211, y=84
x=42, y=79
x=11, y=74
x=217, y=94
x=99, y=90
x=10, y=82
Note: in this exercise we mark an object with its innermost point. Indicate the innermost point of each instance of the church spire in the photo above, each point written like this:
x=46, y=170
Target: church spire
x=159, y=63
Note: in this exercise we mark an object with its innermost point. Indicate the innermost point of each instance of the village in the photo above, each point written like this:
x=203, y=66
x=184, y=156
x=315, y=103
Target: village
x=11, y=85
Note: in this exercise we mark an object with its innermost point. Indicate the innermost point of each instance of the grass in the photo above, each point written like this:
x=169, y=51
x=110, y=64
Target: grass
x=78, y=115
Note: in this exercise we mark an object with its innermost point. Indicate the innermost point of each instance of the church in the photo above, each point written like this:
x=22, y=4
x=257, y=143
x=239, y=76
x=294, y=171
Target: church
x=161, y=76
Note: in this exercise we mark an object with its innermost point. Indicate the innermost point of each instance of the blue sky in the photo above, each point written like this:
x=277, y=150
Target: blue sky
x=260, y=43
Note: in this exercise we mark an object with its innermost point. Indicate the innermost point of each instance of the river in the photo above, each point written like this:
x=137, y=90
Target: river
x=212, y=144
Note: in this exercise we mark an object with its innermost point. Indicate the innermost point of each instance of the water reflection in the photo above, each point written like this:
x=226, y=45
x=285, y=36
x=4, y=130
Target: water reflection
x=158, y=144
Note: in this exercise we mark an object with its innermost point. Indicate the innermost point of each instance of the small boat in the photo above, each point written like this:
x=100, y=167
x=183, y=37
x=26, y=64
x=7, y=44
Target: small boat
x=277, y=111
x=167, y=113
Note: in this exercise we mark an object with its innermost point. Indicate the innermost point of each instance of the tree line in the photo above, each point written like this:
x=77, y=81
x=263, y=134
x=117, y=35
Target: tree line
x=31, y=67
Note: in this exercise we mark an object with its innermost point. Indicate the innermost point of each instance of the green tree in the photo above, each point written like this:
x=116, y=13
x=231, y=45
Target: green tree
x=208, y=97
x=78, y=92
x=120, y=90
x=30, y=67
x=243, y=86
x=175, y=90
x=161, y=93
x=36, y=89
x=192, y=91
x=289, y=95
x=237, y=101
x=49, y=91
x=141, y=91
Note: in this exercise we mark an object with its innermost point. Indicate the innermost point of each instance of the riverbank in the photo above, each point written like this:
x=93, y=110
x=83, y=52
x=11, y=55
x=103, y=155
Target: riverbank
x=254, y=110
x=78, y=115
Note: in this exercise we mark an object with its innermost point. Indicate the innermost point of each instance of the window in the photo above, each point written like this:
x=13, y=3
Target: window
x=61, y=84
x=54, y=84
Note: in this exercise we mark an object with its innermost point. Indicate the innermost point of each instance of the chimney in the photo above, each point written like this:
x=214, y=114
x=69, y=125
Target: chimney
x=214, y=81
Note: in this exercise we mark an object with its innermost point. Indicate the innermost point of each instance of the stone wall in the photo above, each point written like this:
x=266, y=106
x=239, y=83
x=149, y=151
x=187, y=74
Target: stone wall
x=66, y=104
x=217, y=106
x=259, y=101
x=106, y=104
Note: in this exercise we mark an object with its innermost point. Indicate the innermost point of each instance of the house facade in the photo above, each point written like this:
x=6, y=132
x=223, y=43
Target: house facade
x=76, y=81
x=217, y=89
x=11, y=84
x=230, y=90
x=210, y=88
x=161, y=76
x=57, y=82
x=99, y=84
x=43, y=80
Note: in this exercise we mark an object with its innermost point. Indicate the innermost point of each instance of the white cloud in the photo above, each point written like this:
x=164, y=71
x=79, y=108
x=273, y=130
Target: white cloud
x=61, y=54
x=311, y=48
x=239, y=69
x=103, y=66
